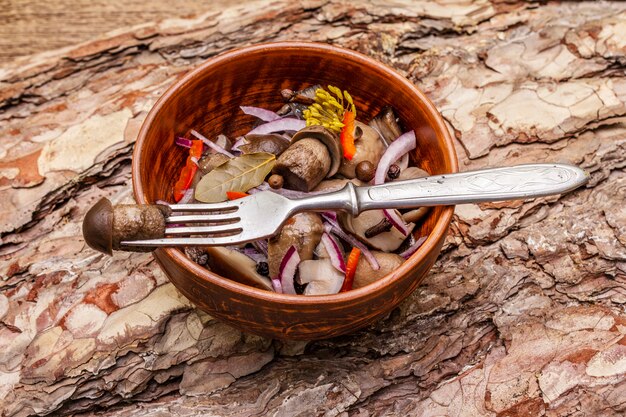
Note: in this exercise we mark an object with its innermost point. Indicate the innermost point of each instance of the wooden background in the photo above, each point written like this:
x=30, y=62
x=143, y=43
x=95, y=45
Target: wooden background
x=523, y=314
x=31, y=26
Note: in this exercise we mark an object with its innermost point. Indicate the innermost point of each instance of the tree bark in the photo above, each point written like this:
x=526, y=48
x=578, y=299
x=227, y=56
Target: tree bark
x=523, y=314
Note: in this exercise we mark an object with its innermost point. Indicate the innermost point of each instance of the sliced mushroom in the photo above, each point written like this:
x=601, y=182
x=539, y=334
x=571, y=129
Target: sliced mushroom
x=320, y=251
x=411, y=173
x=385, y=123
x=223, y=142
x=412, y=216
x=270, y=143
x=357, y=226
x=105, y=225
x=336, y=184
x=237, y=266
x=365, y=275
x=211, y=161
x=369, y=147
x=304, y=231
x=320, y=276
x=415, y=215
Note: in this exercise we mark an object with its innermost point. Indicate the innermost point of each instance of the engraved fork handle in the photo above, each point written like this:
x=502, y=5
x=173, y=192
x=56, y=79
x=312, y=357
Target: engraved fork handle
x=493, y=184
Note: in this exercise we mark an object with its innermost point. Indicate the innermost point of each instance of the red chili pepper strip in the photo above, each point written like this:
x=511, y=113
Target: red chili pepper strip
x=234, y=195
x=353, y=262
x=189, y=170
x=347, y=135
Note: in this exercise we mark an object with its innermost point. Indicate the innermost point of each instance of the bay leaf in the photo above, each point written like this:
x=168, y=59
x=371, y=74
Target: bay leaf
x=237, y=174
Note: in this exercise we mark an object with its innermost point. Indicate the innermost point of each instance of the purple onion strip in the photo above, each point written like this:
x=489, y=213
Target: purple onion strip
x=212, y=145
x=336, y=229
x=261, y=246
x=263, y=114
x=413, y=248
x=396, y=150
x=239, y=142
x=287, y=271
x=187, y=197
x=277, y=285
x=396, y=221
x=280, y=125
x=184, y=142
x=334, y=252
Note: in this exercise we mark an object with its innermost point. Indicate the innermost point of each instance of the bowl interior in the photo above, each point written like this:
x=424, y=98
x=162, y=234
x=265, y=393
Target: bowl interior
x=208, y=101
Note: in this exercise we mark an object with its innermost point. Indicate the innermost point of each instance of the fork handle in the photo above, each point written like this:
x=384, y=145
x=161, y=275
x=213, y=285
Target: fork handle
x=492, y=184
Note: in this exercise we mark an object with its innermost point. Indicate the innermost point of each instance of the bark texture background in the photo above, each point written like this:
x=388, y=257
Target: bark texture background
x=523, y=314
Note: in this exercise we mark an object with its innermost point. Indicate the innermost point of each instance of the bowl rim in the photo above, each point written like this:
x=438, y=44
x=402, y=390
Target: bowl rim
x=178, y=257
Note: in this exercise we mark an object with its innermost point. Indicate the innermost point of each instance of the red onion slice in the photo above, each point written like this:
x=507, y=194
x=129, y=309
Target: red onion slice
x=277, y=285
x=287, y=271
x=334, y=252
x=261, y=246
x=333, y=226
x=396, y=221
x=252, y=253
x=404, y=144
x=279, y=125
x=331, y=215
x=403, y=163
x=413, y=248
x=212, y=145
x=263, y=114
x=184, y=142
x=187, y=197
x=239, y=142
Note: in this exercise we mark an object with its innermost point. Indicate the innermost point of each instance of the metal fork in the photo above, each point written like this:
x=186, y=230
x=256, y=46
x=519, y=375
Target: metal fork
x=261, y=215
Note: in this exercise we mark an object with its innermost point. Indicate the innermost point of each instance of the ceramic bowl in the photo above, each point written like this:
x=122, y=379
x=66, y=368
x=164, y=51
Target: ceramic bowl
x=208, y=98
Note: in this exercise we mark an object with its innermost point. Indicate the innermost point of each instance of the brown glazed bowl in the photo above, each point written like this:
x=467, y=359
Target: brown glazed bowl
x=208, y=98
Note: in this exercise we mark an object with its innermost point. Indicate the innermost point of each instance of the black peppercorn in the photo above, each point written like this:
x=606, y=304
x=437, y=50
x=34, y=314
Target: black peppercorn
x=394, y=172
x=262, y=268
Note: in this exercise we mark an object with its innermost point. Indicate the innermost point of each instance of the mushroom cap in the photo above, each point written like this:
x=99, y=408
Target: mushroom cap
x=358, y=225
x=328, y=138
x=304, y=231
x=98, y=227
x=369, y=147
x=304, y=164
x=270, y=143
x=365, y=275
x=211, y=161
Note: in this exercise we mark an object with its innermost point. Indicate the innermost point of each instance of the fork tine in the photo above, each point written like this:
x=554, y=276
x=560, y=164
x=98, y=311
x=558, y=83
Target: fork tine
x=197, y=230
x=225, y=206
x=202, y=218
x=183, y=241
